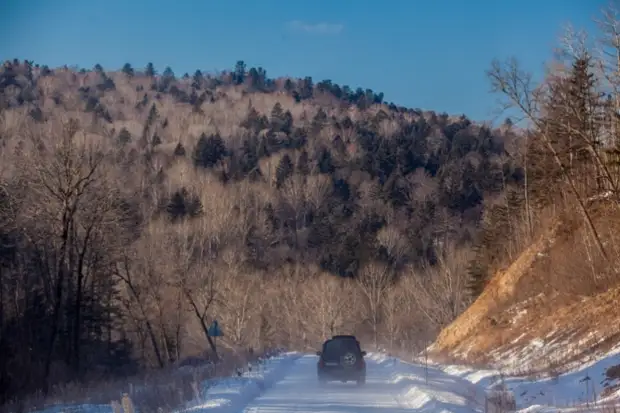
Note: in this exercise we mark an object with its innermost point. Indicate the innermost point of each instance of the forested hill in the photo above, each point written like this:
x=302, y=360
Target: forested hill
x=335, y=167
x=126, y=193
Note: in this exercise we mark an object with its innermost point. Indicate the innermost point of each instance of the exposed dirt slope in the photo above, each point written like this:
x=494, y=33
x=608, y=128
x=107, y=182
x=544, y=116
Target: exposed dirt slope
x=558, y=303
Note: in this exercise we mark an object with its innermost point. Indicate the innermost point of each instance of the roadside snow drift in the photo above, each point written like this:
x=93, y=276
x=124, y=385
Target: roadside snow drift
x=231, y=394
x=219, y=395
x=587, y=387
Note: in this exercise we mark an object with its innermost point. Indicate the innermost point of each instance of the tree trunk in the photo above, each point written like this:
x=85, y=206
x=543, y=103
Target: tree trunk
x=58, y=295
x=526, y=192
x=77, y=322
x=153, y=338
x=575, y=192
x=205, y=328
x=149, y=327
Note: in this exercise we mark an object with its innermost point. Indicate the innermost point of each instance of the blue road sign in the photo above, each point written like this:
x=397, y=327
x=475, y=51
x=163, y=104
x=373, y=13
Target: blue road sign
x=214, y=329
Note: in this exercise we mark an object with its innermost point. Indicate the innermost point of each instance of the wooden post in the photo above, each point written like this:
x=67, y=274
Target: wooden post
x=426, y=362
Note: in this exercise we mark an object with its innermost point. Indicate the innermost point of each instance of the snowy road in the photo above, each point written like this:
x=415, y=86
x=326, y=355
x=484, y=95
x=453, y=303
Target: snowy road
x=391, y=387
x=288, y=383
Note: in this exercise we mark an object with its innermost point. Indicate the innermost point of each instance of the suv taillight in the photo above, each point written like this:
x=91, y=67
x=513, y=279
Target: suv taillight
x=361, y=363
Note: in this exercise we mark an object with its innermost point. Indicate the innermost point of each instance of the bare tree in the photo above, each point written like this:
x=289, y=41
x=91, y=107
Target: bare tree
x=69, y=189
x=195, y=272
x=440, y=291
x=394, y=242
x=144, y=284
x=394, y=313
x=329, y=301
x=239, y=300
x=287, y=308
x=608, y=61
x=374, y=281
x=523, y=94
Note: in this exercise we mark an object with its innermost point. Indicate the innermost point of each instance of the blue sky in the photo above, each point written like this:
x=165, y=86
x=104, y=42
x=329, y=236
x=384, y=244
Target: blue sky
x=422, y=54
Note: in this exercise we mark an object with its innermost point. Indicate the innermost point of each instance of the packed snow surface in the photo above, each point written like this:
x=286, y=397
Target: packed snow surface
x=391, y=387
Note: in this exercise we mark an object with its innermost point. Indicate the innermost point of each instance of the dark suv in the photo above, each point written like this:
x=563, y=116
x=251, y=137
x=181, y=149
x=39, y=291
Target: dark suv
x=341, y=359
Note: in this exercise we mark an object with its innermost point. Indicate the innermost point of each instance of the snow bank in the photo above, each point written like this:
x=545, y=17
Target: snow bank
x=580, y=386
x=78, y=408
x=567, y=391
x=429, y=389
x=229, y=395
x=222, y=395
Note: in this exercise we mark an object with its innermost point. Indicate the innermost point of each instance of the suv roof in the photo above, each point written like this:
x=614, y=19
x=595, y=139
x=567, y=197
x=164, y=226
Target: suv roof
x=344, y=336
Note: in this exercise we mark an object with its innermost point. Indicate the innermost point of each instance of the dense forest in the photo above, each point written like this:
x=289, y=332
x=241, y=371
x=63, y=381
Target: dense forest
x=137, y=207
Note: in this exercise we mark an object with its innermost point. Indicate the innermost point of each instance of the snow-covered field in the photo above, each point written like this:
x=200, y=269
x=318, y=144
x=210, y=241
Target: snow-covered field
x=287, y=383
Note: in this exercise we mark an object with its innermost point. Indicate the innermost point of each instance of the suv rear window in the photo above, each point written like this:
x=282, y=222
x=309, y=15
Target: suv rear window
x=337, y=347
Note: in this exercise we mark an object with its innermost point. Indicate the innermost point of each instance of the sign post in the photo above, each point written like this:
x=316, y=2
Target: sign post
x=215, y=331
